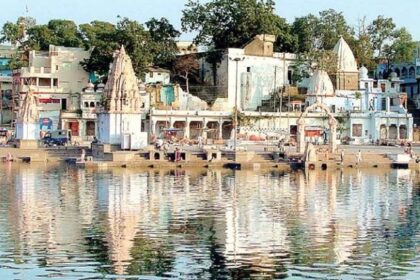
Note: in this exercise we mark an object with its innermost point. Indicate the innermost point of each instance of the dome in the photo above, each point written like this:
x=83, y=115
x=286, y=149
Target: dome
x=346, y=61
x=393, y=76
x=363, y=73
x=90, y=85
x=320, y=84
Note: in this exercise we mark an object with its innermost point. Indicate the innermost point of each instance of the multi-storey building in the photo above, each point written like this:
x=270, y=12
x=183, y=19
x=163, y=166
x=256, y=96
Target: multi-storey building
x=57, y=78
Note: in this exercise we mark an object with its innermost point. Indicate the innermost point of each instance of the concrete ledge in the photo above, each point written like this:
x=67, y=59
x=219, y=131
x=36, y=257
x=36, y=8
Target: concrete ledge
x=28, y=144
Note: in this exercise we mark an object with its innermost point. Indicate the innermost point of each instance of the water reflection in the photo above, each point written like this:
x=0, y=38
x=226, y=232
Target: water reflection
x=65, y=223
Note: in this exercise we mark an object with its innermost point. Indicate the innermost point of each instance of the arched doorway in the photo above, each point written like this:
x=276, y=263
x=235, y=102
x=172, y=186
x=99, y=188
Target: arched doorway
x=403, y=131
x=332, y=122
x=393, y=132
x=382, y=132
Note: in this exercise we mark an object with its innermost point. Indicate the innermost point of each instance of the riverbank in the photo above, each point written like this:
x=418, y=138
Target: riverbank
x=255, y=159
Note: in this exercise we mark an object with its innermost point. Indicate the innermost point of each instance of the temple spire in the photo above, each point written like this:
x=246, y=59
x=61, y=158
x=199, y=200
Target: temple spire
x=121, y=90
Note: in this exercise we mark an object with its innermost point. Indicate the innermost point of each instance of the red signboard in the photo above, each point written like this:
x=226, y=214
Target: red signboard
x=48, y=100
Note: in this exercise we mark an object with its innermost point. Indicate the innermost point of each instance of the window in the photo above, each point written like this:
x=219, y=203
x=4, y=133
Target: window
x=357, y=130
x=56, y=67
x=151, y=74
x=86, y=105
x=92, y=104
x=248, y=69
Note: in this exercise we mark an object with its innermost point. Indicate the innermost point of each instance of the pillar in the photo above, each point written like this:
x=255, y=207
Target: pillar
x=388, y=104
x=153, y=127
x=220, y=130
x=301, y=138
x=398, y=132
x=187, y=129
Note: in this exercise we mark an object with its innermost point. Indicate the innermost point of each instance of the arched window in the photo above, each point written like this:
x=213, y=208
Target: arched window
x=404, y=72
x=412, y=72
x=92, y=104
x=86, y=104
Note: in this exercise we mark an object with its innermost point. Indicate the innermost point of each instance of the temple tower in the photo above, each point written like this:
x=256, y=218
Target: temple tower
x=347, y=76
x=27, y=125
x=121, y=113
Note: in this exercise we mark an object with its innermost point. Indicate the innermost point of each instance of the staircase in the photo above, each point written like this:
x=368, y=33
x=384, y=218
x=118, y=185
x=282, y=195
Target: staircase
x=61, y=153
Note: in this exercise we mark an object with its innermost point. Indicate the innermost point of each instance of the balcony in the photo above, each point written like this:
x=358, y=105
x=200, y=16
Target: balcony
x=35, y=72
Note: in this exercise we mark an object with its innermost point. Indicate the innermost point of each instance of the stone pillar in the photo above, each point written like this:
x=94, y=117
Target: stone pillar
x=37, y=82
x=387, y=132
x=333, y=134
x=187, y=128
x=220, y=130
x=301, y=137
x=398, y=132
x=153, y=127
x=388, y=104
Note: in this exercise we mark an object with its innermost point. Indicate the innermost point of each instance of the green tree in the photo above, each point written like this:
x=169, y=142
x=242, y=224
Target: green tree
x=401, y=49
x=332, y=25
x=233, y=23
x=381, y=31
x=15, y=33
x=306, y=33
x=164, y=36
x=57, y=32
x=362, y=47
x=137, y=42
x=101, y=38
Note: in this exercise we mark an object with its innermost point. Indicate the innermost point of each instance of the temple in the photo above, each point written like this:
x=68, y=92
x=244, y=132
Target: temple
x=121, y=108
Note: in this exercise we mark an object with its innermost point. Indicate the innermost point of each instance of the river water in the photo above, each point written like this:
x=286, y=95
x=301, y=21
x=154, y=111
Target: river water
x=58, y=222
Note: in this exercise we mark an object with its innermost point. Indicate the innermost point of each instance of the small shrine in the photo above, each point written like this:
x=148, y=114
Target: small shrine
x=27, y=126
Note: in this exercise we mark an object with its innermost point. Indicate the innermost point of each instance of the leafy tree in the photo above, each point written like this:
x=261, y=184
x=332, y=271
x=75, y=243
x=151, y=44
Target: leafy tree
x=306, y=33
x=15, y=33
x=233, y=23
x=401, y=49
x=332, y=25
x=57, y=32
x=137, y=42
x=163, y=35
x=100, y=37
x=321, y=32
x=362, y=47
x=381, y=31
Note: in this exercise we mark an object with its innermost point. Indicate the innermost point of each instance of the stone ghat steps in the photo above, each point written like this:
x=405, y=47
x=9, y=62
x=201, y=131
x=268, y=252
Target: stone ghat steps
x=60, y=154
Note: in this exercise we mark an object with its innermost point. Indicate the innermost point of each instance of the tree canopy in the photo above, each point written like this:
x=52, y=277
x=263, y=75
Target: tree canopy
x=151, y=43
x=218, y=24
x=232, y=23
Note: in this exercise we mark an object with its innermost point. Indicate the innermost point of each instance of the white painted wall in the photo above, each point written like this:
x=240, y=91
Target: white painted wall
x=113, y=126
x=27, y=131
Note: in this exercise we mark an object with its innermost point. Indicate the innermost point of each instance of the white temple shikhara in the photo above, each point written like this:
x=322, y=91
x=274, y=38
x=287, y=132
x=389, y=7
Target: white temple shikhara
x=121, y=113
x=28, y=117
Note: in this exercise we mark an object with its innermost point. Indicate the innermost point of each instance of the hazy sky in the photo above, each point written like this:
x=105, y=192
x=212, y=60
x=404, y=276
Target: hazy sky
x=404, y=12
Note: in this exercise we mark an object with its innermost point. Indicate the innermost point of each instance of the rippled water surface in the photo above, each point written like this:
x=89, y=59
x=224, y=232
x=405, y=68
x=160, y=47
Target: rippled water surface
x=64, y=223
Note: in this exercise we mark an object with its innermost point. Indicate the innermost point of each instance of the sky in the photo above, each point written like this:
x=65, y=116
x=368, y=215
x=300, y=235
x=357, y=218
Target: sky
x=404, y=12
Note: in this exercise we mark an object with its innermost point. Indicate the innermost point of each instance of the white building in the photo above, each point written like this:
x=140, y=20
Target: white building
x=252, y=74
x=55, y=77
